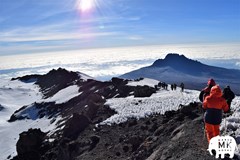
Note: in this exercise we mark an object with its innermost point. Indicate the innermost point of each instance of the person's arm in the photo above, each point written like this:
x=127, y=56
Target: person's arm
x=205, y=104
x=225, y=106
x=201, y=96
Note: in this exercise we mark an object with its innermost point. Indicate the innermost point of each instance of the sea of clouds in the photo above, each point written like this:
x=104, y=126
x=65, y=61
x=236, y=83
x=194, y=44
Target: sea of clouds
x=105, y=63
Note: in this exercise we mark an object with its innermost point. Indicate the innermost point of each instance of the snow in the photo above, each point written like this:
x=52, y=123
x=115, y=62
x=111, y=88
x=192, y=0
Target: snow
x=10, y=133
x=14, y=95
x=84, y=77
x=64, y=95
x=232, y=123
x=162, y=101
x=145, y=81
x=30, y=112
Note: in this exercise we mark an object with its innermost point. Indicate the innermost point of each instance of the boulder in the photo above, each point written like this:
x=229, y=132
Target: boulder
x=118, y=81
x=29, y=143
x=144, y=91
x=75, y=126
x=1, y=107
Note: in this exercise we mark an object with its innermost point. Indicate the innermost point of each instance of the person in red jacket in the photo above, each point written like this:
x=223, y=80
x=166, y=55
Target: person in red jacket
x=206, y=91
x=214, y=104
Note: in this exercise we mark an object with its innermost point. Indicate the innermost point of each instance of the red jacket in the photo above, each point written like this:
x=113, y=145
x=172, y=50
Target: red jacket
x=214, y=104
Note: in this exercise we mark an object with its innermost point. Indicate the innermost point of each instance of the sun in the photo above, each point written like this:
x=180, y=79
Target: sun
x=85, y=5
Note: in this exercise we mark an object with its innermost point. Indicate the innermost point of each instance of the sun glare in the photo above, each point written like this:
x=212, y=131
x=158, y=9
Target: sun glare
x=85, y=5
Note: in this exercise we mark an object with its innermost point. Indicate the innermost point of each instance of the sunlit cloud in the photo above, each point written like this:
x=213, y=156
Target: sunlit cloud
x=51, y=37
x=238, y=64
x=108, y=62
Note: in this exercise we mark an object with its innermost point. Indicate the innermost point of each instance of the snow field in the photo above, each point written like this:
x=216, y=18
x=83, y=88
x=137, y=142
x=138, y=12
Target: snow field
x=160, y=102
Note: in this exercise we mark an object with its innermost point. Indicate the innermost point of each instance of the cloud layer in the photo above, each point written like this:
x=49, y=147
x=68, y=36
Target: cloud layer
x=108, y=62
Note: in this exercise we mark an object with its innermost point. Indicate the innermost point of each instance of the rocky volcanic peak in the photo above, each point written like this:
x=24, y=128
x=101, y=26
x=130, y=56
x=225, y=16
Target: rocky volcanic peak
x=56, y=80
x=175, y=68
x=182, y=63
x=53, y=81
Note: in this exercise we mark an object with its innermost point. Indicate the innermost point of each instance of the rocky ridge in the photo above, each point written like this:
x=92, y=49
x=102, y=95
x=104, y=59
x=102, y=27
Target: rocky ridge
x=79, y=135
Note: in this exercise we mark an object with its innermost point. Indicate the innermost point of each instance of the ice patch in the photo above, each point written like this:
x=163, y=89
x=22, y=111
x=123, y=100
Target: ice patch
x=64, y=95
x=160, y=102
x=145, y=81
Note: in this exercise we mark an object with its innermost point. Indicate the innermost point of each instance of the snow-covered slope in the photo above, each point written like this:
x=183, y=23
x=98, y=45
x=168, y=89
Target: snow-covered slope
x=162, y=101
x=64, y=95
x=231, y=124
x=14, y=95
x=166, y=100
x=22, y=97
x=145, y=81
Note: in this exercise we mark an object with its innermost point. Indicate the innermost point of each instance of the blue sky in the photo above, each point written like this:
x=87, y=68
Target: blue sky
x=31, y=26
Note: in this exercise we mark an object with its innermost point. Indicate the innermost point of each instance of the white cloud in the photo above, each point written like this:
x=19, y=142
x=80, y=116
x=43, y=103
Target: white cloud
x=107, y=62
x=50, y=36
x=238, y=64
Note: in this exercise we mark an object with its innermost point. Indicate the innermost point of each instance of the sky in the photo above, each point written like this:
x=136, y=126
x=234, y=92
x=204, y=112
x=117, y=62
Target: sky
x=32, y=26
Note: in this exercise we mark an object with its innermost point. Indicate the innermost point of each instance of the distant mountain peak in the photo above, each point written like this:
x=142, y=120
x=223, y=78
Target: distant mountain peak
x=174, y=55
x=176, y=68
x=174, y=60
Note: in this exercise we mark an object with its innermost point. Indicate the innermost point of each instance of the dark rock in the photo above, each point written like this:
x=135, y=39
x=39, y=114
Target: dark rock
x=1, y=107
x=125, y=148
x=118, y=154
x=143, y=91
x=159, y=131
x=94, y=141
x=185, y=109
x=154, y=127
x=144, y=127
x=135, y=142
x=132, y=123
x=169, y=114
x=29, y=143
x=118, y=81
x=56, y=80
x=95, y=101
x=28, y=78
x=75, y=125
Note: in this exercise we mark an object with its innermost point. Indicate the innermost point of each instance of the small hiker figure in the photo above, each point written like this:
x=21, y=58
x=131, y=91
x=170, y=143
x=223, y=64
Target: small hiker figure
x=229, y=96
x=206, y=91
x=160, y=84
x=172, y=87
x=182, y=87
x=214, y=103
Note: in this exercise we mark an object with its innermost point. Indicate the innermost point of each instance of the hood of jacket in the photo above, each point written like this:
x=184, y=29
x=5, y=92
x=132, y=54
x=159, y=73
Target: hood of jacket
x=216, y=91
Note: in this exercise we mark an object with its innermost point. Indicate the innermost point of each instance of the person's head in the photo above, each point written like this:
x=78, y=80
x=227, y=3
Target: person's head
x=228, y=87
x=216, y=91
x=211, y=82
